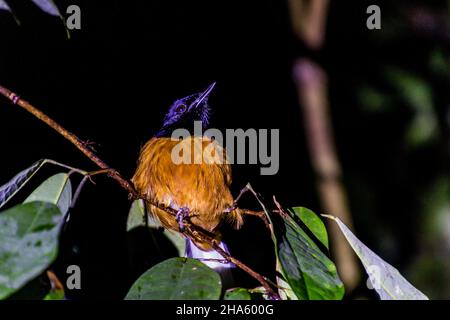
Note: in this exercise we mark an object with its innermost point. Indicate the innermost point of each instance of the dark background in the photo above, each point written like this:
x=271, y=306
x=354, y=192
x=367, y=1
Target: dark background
x=113, y=80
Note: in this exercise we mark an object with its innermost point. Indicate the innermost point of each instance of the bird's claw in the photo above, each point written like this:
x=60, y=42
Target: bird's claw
x=181, y=215
x=231, y=208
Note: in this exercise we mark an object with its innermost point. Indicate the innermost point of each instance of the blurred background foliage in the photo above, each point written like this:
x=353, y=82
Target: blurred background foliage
x=112, y=81
x=392, y=118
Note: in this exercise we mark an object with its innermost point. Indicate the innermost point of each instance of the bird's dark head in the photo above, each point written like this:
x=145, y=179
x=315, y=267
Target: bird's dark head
x=183, y=112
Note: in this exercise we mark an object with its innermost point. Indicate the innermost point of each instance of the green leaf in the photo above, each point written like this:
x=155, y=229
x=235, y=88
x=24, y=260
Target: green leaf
x=417, y=93
x=8, y=190
x=308, y=271
x=284, y=289
x=28, y=243
x=422, y=129
x=313, y=222
x=237, y=294
x=259, y=293
x=305, y=270
x=36, y=289
x=56, y=189
x=439, y=63
x=55, y=295
x=136, y=215
x=372, y=99
x=177, y=279
x=412, y=89
x=385, y=279
x=48, y=6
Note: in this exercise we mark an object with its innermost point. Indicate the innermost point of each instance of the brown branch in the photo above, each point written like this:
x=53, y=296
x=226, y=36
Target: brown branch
x=262, y=280
x=308, y=20
x=259, y=214
x=87, y=151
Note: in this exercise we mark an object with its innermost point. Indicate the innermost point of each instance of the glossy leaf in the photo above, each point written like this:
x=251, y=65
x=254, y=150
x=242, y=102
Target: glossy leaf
x=385, y=279
x=307, y=270
x=28, y=243
x=284, y=289
x=313, y=222
x=237, y=294
x=177, y=279
x=136, y=215
x=8, y=190
x=56, y=189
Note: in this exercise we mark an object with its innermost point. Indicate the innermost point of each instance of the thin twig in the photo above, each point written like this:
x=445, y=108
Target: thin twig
x=125, y=184
x=259, y=214
x=280, y=210
x=88, y=176
x=261, y=279
x=72, y=170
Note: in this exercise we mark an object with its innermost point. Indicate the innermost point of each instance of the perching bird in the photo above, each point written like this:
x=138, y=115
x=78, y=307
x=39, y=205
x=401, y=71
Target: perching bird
x=199, y=189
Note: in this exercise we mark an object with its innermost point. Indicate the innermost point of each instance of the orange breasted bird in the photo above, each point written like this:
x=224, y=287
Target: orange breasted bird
x=198, y=189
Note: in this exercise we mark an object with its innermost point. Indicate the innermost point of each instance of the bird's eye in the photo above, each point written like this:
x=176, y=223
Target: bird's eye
x=180, y=108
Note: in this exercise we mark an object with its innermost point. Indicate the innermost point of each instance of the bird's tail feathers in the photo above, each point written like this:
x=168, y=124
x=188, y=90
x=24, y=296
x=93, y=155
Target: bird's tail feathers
x=235, y=218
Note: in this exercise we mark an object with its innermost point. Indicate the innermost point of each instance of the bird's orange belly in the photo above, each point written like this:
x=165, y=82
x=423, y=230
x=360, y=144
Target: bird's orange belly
x=202, y=185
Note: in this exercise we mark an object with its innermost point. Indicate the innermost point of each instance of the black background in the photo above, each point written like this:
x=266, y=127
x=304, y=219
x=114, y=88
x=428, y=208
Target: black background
x=113, y=80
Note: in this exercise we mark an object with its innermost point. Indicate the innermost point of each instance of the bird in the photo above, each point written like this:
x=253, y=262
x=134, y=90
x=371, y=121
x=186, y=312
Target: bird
x=197, y=191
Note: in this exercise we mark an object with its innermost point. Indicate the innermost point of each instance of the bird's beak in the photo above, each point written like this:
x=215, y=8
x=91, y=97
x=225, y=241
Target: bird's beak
x=204, y=96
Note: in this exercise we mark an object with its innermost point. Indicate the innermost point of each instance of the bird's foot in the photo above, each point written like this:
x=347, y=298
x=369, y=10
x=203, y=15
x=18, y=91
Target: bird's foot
x=181, y=215
x=230, y=208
